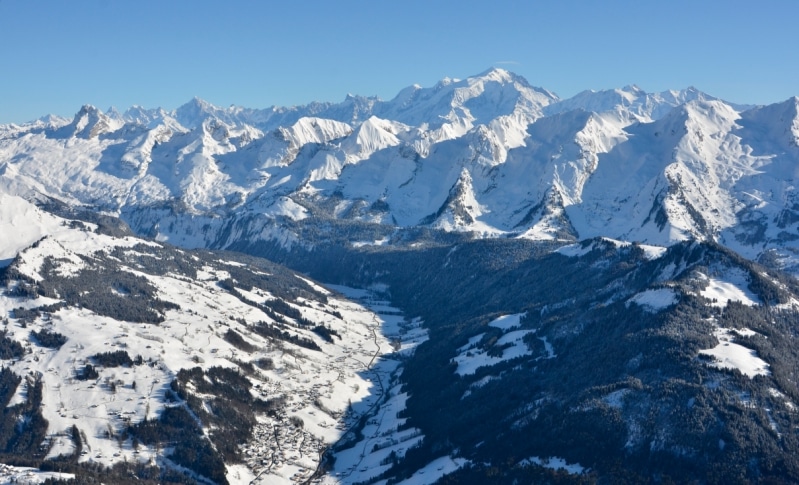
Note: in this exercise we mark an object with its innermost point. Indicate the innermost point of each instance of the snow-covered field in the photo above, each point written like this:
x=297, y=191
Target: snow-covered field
x=472, y=357
x=730, y=355
x=556, y=463
x=13, y=475
x=580, y=249
x=733, y=287
x=318, y=386
x=382, y=432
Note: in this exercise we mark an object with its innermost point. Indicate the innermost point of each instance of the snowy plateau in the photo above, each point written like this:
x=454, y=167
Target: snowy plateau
x=474, y=282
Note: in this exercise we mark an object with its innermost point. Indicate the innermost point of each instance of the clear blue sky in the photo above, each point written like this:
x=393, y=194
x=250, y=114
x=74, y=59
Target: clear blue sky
x=56, y=55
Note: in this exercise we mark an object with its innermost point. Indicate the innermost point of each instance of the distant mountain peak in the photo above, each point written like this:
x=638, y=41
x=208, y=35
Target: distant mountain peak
x=89, y=122
x=634, y=88
x=497, y=74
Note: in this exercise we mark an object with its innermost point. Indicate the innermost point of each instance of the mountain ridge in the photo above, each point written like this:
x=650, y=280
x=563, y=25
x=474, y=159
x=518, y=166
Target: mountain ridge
x=215, y=160
x=521, y=146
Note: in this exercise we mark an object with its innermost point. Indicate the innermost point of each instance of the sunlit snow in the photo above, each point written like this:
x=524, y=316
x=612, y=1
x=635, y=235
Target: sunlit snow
x=329, y=390
x=733, y=287
x=730, y=355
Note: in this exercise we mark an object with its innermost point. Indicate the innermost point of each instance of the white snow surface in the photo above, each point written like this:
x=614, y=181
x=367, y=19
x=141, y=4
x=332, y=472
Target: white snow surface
x=730, y=355
x=581, y=249
x=354, y=372
x=556, y=463
x=28, y=476
x=22, y=224
x=733, y=286
x=508, y=322
x=470, y=357
x=655, y=300
x=381, y=435
x=434, y=470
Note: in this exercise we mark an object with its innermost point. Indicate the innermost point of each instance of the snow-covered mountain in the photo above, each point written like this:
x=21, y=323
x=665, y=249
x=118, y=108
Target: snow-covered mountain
x=577, y=305
x=489, y=155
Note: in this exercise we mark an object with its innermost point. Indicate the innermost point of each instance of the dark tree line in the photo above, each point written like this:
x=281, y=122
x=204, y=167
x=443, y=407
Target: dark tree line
x=176, y=427
x=235, y=339
x=50, y=339
x=116, y=358
x=270, y=331
x=10, y=348
x=22, y=426
x=229, y=415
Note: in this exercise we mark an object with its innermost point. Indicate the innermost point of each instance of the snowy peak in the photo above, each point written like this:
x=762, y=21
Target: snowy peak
x=354, y=109
x=89, y=123
x=373, y=135
x=216, y=129
x=710, y=112
x=406, y=97
x=547, y=220
x=314, y=130
x=113, y=113
x=477, y=99
x=779, y=122
x=461, y=210
x=151, y=118
x=499, y=75
x=504, y=93
x=195, y=112
x=674, y=179
x=693, y=121
x=25, y=222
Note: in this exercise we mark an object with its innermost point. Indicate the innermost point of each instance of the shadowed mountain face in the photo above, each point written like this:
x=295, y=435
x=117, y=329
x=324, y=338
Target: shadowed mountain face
x=613, y=361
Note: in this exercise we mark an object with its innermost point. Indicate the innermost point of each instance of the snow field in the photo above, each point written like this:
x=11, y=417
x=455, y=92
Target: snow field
x=381, y=435
x=469, y=358
x=556, y=463
x=28, y=476
x=655, y=300
x=507, y=322
x=730, y=355
x=734, y=287
x=576, y=250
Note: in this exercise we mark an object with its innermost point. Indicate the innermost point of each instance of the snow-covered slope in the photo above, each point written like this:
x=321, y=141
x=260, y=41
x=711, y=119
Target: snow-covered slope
x=103, y=335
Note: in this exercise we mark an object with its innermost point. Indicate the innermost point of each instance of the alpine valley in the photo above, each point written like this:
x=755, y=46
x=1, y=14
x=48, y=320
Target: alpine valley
x=475, y=282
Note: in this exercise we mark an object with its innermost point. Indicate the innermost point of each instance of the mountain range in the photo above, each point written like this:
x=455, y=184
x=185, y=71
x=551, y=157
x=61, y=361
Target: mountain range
x=515, y=287
x=490, y=156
